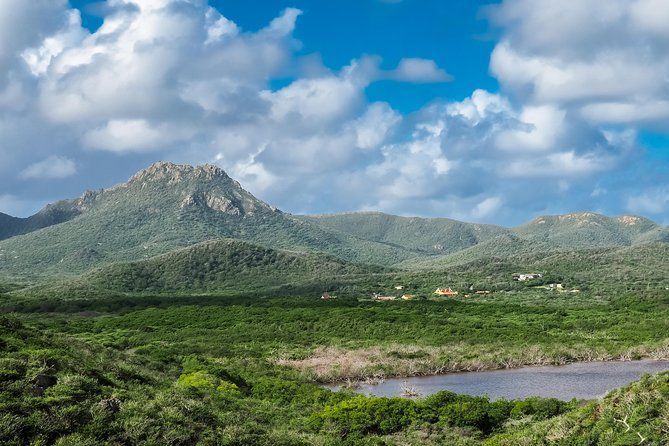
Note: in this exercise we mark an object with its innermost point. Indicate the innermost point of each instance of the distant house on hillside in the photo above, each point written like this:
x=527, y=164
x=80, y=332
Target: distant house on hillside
x=399, y=287
x=483, y=292
x=445, y=292
x=525, y=277
x=326, y=296
x=383, y=298
x=408, y=296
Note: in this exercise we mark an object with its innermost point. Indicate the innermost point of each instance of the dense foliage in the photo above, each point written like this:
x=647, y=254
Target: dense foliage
x=212, y=373
x=635, y=414
x=218, y=265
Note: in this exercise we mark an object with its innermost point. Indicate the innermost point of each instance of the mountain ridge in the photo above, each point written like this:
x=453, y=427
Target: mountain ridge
x=169, y=206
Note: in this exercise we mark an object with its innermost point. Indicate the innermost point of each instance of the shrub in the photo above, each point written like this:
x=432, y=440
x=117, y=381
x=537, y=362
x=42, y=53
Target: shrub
x=539, y=408
x=204, y=382
x=364, y=415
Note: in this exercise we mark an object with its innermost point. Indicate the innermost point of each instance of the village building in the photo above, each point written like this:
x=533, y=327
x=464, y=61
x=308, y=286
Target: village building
x=408, y=297
x=383, y=298
x=327, y=296
x=445, y=292
x=525, y=277
x=399, y=287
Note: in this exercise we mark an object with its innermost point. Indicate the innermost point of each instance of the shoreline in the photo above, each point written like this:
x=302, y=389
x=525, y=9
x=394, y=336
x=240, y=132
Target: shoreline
x=341, y=385
x=332, y=366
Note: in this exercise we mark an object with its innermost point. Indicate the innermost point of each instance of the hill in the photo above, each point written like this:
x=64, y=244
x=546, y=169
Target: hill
x=547, y=235
x=428, y=235
x=587, y=229
x=51, y=215
x=166, y=207
x=219, y=265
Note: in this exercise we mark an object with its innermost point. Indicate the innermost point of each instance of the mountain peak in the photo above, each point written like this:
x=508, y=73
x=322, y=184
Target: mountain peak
x=175, y=173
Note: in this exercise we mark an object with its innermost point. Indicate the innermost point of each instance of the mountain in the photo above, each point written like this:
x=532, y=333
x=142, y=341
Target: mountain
x=591, y=230
x=169, y=206
x=427, y=235
x=212, y=266
x=555, y=233
x=51, y=215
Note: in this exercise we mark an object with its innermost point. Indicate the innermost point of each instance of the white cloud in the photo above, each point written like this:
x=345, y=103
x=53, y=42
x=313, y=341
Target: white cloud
x=373, y=127
x=130, y=135
x=316, y=101
x=53, y=167
x=543, y=126
x=419, y=70
x=559, y=165
x=608, y=59
x=654, y=201
x=480, y=106
x=487, y=207
x=188, y=84
x=651, y=15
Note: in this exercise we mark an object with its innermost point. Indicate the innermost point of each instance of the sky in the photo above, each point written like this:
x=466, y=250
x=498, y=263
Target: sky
x=482, y=111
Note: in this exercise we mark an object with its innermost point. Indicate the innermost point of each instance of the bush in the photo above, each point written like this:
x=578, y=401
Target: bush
x=364, y=415
x=539, y=408
x=204, y=382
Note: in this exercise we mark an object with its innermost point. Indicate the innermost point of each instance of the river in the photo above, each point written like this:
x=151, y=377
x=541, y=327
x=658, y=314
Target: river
x=586, y=380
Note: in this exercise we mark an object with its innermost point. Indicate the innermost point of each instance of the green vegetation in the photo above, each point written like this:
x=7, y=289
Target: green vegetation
x=168, y=206
x=223, y=265
x=237, y=371
x=635, y=414
x=177, y=309
x=587, y=229
x=429, y=236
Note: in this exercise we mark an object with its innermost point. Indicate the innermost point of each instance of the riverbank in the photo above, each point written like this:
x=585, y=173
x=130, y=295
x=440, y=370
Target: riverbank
x=329, y=365
x=579, y=381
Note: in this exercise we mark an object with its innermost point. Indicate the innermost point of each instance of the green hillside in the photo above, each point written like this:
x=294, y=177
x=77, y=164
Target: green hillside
x=428, y=235
x=51, y=215
x=587, y=229
x=213, y=266
x=601, y=274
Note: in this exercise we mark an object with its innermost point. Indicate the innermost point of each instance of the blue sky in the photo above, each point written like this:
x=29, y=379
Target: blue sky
x=476, y=110
x=455, y=34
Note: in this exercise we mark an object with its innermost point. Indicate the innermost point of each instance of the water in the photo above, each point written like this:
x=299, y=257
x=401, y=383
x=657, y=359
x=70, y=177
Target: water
x=587, y=380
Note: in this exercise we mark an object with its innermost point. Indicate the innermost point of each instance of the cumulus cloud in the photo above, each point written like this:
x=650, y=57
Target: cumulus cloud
x=132, y=135
x=53, y=167
x=654, y=201
x=613, y=69
x=173, y=79
x=419, y=70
